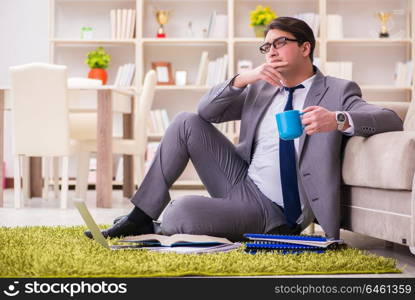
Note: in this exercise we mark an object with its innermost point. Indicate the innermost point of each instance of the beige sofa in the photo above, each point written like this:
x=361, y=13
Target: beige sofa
x=378, y=195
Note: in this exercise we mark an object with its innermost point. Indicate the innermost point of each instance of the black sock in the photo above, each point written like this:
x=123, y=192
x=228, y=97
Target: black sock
x=139, y=217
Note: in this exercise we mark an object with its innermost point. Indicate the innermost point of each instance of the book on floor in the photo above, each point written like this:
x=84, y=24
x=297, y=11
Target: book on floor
x=175, y=240
x=194, y=249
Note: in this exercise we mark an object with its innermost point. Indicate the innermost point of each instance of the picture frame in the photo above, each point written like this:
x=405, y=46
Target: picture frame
x=164, y=72
x=180, y=77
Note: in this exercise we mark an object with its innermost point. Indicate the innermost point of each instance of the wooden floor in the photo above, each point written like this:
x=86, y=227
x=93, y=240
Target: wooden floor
x=38, y=211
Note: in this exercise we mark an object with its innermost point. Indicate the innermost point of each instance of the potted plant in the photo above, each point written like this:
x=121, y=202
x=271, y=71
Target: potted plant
x=260, y=18
x=98, y=61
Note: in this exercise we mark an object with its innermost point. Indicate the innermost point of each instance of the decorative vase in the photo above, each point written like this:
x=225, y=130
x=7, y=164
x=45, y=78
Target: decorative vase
x=259, y=31
x=98, y=73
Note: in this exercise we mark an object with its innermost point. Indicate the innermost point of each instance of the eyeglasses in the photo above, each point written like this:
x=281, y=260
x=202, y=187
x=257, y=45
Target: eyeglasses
x=277, y=43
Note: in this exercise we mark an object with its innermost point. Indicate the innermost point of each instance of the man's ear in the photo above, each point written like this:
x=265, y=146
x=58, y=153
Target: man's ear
x=306, y=48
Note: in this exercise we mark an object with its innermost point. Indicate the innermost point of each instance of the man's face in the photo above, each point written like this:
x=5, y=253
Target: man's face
x=289, y=51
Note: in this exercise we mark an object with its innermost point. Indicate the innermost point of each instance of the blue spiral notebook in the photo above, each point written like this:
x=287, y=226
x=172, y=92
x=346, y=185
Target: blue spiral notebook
x=303, y=240
x=284, y=248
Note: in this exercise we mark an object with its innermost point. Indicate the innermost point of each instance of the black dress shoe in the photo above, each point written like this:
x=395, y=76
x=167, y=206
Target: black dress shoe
x=118, y=218
x=124, y=227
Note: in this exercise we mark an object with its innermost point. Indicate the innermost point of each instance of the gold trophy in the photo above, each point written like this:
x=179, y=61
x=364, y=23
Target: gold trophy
x=383, y=17
x=162, y=17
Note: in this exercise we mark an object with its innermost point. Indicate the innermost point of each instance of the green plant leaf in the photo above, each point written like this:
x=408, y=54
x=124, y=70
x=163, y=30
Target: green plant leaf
x=98, y=59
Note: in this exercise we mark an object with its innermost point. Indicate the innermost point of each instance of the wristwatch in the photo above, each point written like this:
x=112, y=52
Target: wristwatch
x=340, y=119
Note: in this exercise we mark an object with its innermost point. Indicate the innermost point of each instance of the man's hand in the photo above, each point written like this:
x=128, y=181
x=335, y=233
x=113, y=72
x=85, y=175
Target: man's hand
x=317, y=119
x=268, y=72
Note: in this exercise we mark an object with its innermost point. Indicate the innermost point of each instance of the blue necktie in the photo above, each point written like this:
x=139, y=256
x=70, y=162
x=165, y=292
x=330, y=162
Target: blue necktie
x=288, y=172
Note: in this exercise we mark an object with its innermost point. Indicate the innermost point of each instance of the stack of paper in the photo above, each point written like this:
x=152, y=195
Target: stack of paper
x=122, y=23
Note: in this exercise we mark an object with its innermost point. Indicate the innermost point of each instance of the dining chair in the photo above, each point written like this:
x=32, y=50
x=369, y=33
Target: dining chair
x=40, y=121
x=135, y=146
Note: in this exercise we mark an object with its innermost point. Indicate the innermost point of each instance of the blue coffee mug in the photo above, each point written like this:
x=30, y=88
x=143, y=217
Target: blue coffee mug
x=289, y=124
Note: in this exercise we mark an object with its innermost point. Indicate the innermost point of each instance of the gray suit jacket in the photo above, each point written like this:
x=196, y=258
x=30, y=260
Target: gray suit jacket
x=320, y=154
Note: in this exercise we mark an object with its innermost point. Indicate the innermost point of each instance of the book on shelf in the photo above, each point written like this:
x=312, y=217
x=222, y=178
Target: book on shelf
x=403, y=73
x=211, y=25
x=202, y=72
x=122, y=23
x=113, y=22
x=124, y=13
x=312, y=20
x=223, y=68
x=334, y=27
x=165, y=119
x=129, y=24
x=217, y=26
x=217, y=71
x=340, y=69
x=132, y=24
x=125, y=75
x=118, y=24
x=159, y=121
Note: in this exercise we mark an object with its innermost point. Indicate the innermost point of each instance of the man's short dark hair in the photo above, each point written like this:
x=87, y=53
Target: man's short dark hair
x=298, y=28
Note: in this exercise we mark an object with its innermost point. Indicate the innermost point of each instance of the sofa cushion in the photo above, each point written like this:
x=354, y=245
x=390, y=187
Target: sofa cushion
x=385, y=160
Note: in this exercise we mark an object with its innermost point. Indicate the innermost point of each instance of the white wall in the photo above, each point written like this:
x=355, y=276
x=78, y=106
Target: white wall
x=24, y=34
x=24, y=39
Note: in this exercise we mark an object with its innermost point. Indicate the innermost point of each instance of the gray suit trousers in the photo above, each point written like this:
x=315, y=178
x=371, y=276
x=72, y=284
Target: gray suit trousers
x=236, y=205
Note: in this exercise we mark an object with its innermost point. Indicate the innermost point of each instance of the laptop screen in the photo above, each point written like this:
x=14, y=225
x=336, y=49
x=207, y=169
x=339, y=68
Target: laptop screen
x=90, y=223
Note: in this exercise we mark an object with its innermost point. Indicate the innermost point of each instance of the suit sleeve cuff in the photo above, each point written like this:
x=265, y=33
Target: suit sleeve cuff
x=349, y=131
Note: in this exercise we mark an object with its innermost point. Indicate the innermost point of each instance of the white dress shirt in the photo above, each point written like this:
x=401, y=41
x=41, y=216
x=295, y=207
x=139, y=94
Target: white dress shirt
x=264, y=169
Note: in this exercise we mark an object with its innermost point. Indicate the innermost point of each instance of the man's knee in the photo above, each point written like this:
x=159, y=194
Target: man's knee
x=180, y=216
x=185, y=117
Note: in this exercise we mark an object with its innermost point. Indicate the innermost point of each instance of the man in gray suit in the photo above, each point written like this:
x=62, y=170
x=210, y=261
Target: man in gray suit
x=264, y=184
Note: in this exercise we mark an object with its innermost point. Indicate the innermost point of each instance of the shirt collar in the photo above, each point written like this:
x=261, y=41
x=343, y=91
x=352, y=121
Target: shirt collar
x=307, y=83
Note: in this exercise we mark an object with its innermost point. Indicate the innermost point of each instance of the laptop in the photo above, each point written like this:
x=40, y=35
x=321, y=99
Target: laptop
x=96, y=232
x=99, y=237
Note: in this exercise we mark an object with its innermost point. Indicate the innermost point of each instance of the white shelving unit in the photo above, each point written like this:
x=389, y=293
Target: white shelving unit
x=374, y=58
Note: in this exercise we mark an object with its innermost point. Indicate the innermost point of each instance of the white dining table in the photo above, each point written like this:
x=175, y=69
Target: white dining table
x=109, y=99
